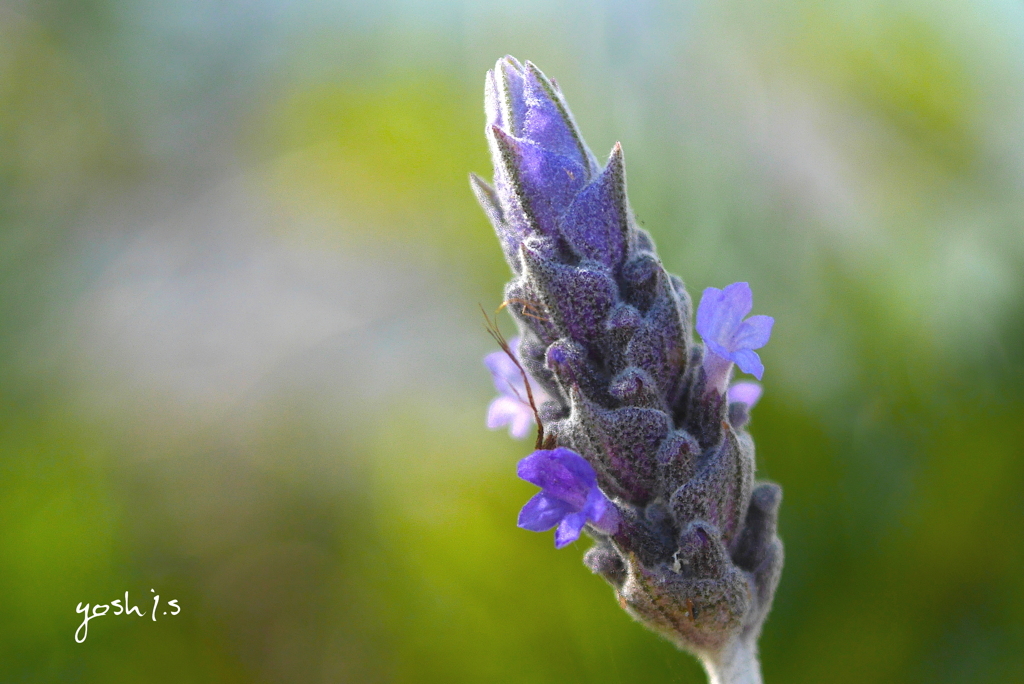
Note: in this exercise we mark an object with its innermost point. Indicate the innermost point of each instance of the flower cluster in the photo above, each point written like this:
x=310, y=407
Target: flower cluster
x=645, y=445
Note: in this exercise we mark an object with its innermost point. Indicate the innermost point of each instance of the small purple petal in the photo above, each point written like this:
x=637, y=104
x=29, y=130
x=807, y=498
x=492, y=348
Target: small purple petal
x=738, y=298
x=505, y=411
x=745, y=392
x=521, y=425
x=749, y=362
x=707, y=312
x=569, y=529
x=504, y=372
x=754, y=332
x=501, y=412
x=512, y=406
x=577, y=465
x=561, y=472
x=543, y=512
x=720, y=313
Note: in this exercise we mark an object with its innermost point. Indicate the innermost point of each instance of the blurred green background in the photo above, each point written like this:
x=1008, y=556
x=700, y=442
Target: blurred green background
x=240, y=340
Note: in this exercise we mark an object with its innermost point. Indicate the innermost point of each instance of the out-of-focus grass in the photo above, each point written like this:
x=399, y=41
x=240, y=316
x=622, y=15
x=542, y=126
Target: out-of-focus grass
x=387, y=162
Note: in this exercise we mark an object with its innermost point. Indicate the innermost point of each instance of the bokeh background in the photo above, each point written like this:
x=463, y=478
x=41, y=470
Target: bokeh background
x=240, y=342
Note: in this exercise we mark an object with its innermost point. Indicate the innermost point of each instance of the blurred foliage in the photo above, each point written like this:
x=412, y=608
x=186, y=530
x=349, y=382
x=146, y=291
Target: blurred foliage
x=344, y=516
x=394, y=154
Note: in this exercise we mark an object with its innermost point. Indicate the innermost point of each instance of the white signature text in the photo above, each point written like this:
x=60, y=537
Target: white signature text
x=99, y=610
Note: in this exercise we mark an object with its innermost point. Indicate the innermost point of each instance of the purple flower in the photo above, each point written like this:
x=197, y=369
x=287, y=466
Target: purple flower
x=745, y=392
x=644, y=451
x=727, y=336
x=569, y=496
x=512, y=406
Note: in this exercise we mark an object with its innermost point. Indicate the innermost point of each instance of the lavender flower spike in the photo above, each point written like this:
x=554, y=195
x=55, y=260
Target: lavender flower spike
x=639, y=452
x=511, y=407
x=569, y=498
x=728, y=337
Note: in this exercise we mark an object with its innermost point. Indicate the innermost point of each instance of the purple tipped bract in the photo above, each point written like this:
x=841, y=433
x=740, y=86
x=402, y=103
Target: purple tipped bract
x=546, y=180
x=569, y=496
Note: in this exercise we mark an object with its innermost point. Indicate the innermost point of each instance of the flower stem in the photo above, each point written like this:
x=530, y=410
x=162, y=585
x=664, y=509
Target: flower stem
x=716, y=372
x=736, y=663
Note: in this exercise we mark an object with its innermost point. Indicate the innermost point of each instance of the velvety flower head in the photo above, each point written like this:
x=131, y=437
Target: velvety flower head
x=641, y=449
x=511, y=407
x=569, y=496
x=725, y=333
x=745, y=392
